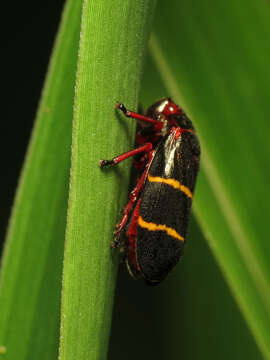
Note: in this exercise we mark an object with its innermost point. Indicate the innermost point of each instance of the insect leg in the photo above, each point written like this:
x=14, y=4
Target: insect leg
x=133, y=196
x=134, y=115
x=145, y=148
x=128, y=208
x=131, y=255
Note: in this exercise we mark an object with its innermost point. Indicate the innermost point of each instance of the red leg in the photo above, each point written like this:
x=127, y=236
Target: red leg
x=140, y=164
x=145, y=148
x=134, y=115
x=132, y=200
x=131, y=256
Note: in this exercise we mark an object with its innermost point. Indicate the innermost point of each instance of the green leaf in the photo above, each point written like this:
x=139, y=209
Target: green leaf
x=32, y=261
x=214, y=61
x=190, y=315
x=113, y=38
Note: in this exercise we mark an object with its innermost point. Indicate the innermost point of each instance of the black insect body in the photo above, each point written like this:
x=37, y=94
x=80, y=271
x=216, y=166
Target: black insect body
x=157, y=213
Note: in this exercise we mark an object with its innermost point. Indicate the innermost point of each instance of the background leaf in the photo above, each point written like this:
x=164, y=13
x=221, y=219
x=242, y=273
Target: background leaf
x=32, y=261
x=220, y=75
x=190, y=315
x=213, y=58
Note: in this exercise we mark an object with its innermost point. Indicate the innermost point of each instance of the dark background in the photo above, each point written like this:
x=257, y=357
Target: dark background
x=27, y=34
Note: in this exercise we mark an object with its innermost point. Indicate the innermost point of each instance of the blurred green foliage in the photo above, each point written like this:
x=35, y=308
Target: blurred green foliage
x=31, y=268
x=212, y=63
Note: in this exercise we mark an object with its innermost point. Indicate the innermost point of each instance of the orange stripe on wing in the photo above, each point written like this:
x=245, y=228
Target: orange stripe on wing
x=158, y=227
x=171, y=182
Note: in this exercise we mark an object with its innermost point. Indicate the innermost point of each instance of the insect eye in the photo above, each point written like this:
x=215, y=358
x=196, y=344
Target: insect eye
x=170, y=109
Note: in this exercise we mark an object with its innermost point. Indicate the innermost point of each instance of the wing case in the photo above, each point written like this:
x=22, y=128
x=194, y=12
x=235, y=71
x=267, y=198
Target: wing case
x=165, y=205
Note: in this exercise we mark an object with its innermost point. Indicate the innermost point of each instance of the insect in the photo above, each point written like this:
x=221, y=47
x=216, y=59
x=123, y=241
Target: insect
x=156, y=216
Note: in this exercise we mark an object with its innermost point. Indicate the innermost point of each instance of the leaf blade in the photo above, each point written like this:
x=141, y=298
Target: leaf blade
x=32, y=261
x=107, y=72
x=204, y=40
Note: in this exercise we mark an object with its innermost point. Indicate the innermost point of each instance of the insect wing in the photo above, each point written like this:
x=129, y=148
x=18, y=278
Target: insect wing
x=165, y=206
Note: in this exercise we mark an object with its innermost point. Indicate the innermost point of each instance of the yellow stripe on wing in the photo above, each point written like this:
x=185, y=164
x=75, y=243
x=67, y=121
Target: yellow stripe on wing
x=171, y=182
x=158, y=227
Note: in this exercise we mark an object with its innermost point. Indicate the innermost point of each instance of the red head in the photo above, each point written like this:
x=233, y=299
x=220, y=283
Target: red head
x=166, y=109
x=164, y=106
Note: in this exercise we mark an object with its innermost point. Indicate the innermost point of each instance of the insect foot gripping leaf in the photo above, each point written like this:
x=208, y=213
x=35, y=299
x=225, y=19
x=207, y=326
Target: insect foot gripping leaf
x=157, y=213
